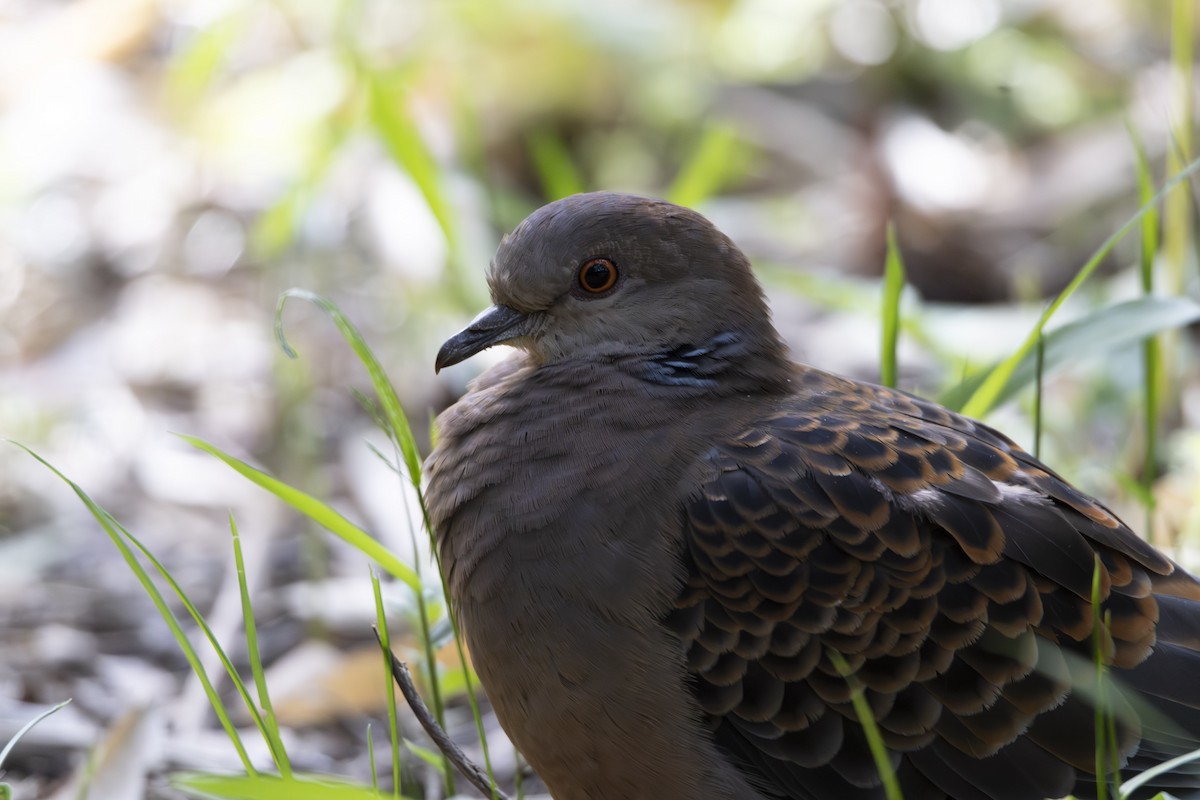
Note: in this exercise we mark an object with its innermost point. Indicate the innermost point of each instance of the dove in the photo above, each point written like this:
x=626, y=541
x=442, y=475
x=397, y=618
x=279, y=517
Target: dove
x=678, y=557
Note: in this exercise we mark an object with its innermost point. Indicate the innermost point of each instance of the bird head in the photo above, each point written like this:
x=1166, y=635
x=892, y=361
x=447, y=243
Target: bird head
x=604, y=274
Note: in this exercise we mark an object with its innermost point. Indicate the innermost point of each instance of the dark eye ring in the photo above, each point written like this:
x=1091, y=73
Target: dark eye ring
x=597, y=275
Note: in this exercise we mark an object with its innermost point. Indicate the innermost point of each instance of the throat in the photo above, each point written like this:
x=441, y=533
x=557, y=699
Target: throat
x=726, y=361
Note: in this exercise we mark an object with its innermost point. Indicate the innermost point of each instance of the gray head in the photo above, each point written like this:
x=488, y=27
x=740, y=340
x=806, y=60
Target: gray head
x=605, y=274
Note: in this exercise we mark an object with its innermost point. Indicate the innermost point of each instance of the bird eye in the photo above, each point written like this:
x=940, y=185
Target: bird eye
x=597, y=275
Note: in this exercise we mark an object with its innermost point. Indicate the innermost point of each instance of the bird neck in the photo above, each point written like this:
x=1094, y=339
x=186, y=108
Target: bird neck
x=735, y=361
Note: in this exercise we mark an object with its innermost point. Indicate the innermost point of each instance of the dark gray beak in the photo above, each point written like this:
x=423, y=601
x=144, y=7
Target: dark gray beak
x=495, y=325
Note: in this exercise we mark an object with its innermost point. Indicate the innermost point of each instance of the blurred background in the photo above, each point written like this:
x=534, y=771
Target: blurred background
x=169, y=167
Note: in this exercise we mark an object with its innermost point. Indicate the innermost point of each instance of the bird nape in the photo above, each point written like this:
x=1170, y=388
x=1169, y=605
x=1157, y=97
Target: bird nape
x=664, y=539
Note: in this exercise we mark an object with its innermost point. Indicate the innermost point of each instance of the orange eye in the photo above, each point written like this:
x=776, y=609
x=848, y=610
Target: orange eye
x=597, y=275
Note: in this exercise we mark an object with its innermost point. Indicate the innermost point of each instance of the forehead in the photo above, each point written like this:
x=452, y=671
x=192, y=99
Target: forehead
x=538, y=260
x=589, y=224
x=588, y=219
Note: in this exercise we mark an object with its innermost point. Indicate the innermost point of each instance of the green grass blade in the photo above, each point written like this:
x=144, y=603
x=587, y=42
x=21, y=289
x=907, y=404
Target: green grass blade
x=1104, y=330
x=1177, y=209
x=397, y=421
x=234, y=678
x=1107, y=755
x=318, y=512
x=28, y=726
x=191, y=72
x=433, y=674
x=1150, y=220
x=1153, y=373
x=460, y=650
x=431, y=757
x=373, y=766
x=269, y=787
x=519, y=777
x=476, y=714
x=385, y=643
x=118, y=535
x=400, y=433
x=275, y=229
x=269, y=725
x=386, y=96
x=866, y=718
x=1142, y=778
x=854, y=295
x=893, y=287
x=985, y=398
x=552, y=162
x=1039, y=370
x=707, y=169
x=387, y=107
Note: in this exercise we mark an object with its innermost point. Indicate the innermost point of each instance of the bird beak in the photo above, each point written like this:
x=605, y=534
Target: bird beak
x=495, y=325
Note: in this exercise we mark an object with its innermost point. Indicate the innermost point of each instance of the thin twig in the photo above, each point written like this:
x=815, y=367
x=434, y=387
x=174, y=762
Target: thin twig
x=458, y=758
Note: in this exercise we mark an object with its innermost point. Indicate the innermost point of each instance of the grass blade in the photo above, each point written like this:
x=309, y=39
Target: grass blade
x=28, y=726
x=1101, y=331
x=388, y=113
x=478, y=778
x=893, y=287
x=1154, y=375
x=270, y=727
x=1142, y=778
x=400, y=433
x=385, y=642
x=387, y=100
x=196, y=65
x=552, y=162
x=1108, y=756
x=1038, y=384
x=118, y=535
x=430, y=756
x=866, y=718
x=397, y=421
x=1177, y=229
x=985, y=398
x=269, y=787
x=318, y=512
x=373, y=766
x=707, y=169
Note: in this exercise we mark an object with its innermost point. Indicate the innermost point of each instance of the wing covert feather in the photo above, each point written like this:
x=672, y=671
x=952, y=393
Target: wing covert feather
x=950, y=570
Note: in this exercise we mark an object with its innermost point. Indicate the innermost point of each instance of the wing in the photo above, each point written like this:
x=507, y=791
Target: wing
x=953, y=574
